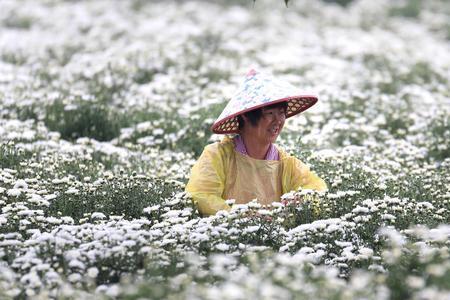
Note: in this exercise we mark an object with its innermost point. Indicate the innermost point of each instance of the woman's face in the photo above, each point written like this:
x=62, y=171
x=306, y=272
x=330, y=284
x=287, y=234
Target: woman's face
x=270, y=124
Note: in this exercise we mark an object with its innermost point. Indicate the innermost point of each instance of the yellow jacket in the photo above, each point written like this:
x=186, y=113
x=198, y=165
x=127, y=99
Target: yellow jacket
x=223, y=173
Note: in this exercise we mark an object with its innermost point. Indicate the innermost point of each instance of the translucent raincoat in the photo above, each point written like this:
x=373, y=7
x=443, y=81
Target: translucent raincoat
x=223, y=173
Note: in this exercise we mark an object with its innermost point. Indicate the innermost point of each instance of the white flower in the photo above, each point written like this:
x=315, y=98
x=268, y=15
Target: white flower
x=50, y=197
x=360, y=209
x=366, y=251
x=75, y=263
x=277, y=204
x=72, y=191
x=21, y=184
x=129, y=243
x=101, y=289
x=74, y=277
x=251, y=229
x=254, y=204
x=173, y=202
x=426, y=205
x=436, y=270
x=60, y=181
x=415, y=282
x=388, y=217
x=53, y=220
x=98, y=216
x=230, y=201
x=265, y=212
x=35, y=199
x=112, y=291
x=222, y=247
x=158, y=131
x=92, y=272
x=360, y=280
x=151, y=208
x=14, y=192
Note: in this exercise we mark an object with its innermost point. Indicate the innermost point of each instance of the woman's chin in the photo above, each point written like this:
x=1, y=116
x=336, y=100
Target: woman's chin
x=273, y=138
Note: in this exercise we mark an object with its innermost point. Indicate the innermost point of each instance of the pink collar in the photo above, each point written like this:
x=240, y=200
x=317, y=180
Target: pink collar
x=272, y=153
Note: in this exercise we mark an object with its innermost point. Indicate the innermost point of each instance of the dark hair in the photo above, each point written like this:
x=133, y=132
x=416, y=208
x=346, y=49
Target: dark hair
x=255, y=115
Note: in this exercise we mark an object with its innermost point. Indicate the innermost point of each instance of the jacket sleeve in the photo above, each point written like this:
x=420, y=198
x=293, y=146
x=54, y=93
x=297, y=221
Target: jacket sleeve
x=299, y=175
x=207, y=182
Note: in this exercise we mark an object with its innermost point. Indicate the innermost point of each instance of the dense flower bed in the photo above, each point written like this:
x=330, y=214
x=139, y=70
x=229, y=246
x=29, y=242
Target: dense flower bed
x=105, y=105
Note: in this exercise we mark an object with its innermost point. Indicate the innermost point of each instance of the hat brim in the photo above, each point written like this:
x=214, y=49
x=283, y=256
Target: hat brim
x=296, y=104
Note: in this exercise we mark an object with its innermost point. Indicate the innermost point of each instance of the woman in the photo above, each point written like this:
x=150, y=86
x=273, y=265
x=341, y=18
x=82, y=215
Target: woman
x=249, y=165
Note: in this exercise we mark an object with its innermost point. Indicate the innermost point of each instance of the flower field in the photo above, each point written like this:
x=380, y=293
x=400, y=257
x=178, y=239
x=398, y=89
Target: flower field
x=106, y=105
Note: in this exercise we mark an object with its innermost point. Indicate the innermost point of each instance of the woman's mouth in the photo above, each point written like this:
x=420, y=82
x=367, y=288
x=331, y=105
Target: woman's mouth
x=274, y=130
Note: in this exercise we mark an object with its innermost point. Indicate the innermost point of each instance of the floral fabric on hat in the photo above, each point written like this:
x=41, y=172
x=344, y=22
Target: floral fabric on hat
x=259, y=90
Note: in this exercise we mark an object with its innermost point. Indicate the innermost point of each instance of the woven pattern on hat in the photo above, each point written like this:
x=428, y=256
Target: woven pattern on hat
x=259, y=90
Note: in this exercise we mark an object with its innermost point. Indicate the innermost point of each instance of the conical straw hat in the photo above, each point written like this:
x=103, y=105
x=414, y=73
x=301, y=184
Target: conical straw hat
x=259, y=90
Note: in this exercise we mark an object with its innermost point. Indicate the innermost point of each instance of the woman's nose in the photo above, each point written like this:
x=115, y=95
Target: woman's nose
x=281, y=117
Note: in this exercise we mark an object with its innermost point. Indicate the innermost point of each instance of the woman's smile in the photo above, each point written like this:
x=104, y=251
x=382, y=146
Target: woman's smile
x=273, y=119
x=275, y=130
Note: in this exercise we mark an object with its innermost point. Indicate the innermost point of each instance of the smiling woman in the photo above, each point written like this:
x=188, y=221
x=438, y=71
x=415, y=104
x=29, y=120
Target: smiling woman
x=249, y=165
x=264, y=126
